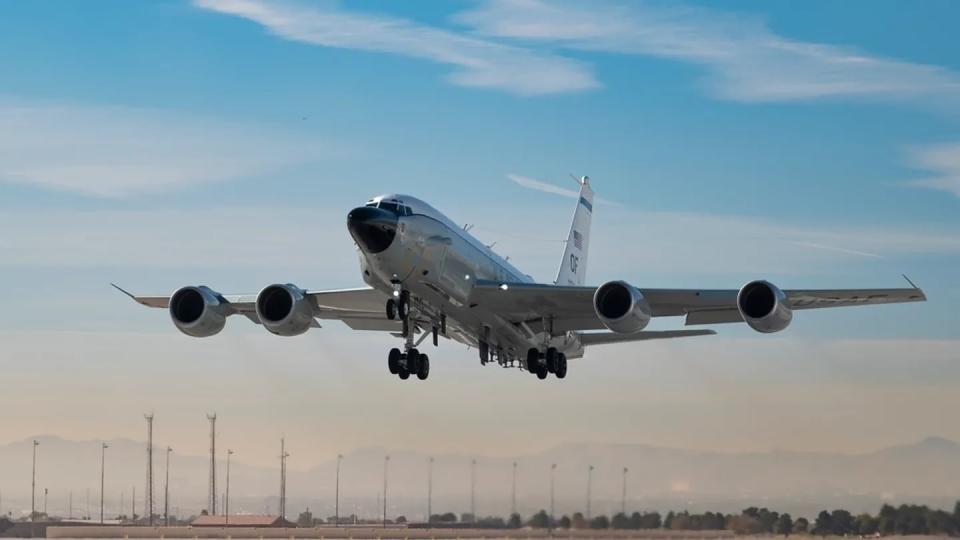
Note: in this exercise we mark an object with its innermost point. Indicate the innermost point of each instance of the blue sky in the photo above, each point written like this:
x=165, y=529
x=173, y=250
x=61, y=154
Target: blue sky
x=223, y=141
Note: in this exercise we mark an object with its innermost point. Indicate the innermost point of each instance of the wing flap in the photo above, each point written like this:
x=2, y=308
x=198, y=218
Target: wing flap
x=604, y=338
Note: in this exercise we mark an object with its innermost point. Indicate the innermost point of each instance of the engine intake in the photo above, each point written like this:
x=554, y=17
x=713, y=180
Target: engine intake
x=764, y=307
x=284, y=310
x=621, y=307
x=197, y=311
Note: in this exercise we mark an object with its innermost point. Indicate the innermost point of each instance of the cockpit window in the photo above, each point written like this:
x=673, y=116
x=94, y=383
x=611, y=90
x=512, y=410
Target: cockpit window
x=390, y=207
x=372, y=203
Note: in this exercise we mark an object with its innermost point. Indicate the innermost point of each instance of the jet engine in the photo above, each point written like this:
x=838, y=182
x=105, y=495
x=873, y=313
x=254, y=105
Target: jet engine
x=764, y=307
x=284, y=310
x=197, y=311
x=621, y=307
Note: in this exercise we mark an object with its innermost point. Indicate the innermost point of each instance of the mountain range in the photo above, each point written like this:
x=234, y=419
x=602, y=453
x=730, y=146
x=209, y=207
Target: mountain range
x=658, y=478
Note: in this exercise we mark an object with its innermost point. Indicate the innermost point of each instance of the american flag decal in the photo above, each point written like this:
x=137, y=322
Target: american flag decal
x=577, y=240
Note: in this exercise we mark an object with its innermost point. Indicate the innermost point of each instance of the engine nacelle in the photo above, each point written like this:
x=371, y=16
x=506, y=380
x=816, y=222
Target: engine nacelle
x=284, y=310
x=197, y=311
x=764, y=307
x=621, y=307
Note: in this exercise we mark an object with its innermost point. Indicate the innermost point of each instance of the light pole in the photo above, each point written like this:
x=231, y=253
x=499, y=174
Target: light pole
x=103, y=452
x=473, y=490
x=336, y=511
x=33, y=487
x=283, y=479
x=166, y=490
x=513, y=491
x=386, y=461
x=429, y=488
x=589, y=485
x=226, y=501
x=553, y=470
x=623, y=496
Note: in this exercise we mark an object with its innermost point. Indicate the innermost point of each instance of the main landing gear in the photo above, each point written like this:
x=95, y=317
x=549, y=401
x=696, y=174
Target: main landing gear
x=549, y=361
x=411, y=362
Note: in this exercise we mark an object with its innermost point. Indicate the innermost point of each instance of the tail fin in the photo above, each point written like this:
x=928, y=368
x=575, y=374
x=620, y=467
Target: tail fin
x=573, y=266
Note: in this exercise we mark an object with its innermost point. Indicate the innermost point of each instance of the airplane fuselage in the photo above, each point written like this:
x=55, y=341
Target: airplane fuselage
x=438, y=262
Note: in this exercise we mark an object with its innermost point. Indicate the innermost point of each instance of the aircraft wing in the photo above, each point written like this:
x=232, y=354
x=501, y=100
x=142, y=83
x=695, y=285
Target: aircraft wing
x=572, y=307
x=360, y=309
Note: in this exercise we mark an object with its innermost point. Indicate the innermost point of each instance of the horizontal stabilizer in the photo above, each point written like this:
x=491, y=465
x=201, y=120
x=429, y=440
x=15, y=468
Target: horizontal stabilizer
x=602, y=338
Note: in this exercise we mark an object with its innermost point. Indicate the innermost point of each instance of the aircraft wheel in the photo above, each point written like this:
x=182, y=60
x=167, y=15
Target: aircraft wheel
x=391, y=309
x=551, y=358
x=413, y=360
x=403, y=305
x=561, y=366
x=533, y=359
x=484, y=352
x=542, y=371
x=393, y=361
x=423, y=370
x=404, y=374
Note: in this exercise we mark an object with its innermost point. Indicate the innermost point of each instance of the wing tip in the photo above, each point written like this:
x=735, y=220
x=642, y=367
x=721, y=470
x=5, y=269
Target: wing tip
x=922, y=295
x=124, y=291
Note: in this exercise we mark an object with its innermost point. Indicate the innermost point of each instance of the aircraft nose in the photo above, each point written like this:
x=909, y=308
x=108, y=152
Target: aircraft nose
x=373, y=228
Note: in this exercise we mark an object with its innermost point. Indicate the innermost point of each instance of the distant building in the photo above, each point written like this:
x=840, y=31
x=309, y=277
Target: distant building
x=241, y=521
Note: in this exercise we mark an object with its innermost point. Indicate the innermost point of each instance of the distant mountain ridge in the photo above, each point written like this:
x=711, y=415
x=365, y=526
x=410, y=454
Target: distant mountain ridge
x=925, y=471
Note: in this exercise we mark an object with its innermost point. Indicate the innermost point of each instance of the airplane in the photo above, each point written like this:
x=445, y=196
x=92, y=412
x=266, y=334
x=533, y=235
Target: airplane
x=427, y=277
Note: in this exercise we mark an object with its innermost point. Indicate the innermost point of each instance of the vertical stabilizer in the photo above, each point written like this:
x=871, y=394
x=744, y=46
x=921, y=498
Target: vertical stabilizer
x=573, y=266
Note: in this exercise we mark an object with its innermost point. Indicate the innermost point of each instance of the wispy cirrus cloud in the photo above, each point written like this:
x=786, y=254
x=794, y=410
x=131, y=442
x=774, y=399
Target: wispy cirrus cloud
x=943, y=161
x=546, y=187
x=118, y=152
x=478, y=62
x=745, y=60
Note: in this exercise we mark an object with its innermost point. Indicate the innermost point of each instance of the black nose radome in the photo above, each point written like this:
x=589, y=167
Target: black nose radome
x=373, y=229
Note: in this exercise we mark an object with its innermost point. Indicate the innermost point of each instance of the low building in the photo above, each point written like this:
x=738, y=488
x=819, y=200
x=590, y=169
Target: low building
x=241, y=521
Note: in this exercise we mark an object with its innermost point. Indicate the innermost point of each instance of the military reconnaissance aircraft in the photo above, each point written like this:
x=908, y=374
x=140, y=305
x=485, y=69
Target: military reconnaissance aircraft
x=428, y=277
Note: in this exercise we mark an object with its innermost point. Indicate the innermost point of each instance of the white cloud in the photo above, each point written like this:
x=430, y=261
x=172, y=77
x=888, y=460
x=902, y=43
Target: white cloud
x=122, y=151
x=943, y=161
x=546, y=187
x=478, y=62
x=746, y=61
x=539, y=185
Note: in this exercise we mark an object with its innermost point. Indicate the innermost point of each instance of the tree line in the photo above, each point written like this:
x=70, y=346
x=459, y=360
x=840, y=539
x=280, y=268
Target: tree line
x=906, y=519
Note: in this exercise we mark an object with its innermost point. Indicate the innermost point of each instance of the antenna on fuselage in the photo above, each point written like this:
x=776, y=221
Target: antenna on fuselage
x=467, y=227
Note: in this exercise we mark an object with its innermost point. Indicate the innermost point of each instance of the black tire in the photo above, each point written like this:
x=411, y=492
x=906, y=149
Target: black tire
x=533, y=359
x=423, y=370
x=542, y=371
x=551, y=358
x=404, y=374
x=413, y=360
x=393, y=361
x=391, y=309
x=484, y=352
x=561, y=366
x=403, y=305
